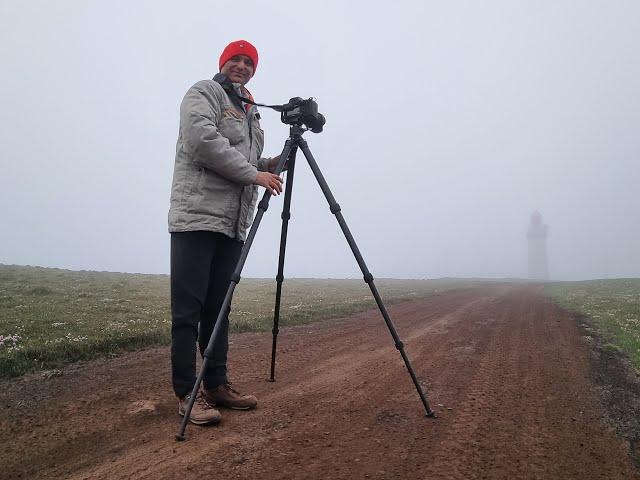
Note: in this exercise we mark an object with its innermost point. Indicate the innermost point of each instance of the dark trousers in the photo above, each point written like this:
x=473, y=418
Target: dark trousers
x=201, y=268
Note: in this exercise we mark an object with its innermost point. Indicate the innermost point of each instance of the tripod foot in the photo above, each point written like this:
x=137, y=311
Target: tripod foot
x=180, y=437
x=272, y=380
x=431, y=414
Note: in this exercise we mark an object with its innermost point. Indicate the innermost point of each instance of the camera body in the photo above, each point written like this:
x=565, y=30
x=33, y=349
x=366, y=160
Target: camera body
x=301, y=111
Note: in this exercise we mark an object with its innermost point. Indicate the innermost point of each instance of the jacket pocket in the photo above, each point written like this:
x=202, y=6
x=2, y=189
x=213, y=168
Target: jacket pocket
x=196, y=187
x=194, y=193
x=232, y=128
x=216, y=197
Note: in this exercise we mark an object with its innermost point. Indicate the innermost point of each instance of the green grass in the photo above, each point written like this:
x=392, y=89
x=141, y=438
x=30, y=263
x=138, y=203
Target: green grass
x=52, y=317
x=612, y=305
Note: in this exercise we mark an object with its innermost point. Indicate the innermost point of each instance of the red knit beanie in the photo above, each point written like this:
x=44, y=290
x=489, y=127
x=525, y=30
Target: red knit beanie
x=239, y=47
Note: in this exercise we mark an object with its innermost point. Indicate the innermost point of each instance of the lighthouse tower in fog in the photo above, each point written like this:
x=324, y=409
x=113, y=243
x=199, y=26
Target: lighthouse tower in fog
x=537, y=236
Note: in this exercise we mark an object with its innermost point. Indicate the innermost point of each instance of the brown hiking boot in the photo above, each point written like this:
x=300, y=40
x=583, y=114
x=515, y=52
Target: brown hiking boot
x=202, y=412
x=225, y=396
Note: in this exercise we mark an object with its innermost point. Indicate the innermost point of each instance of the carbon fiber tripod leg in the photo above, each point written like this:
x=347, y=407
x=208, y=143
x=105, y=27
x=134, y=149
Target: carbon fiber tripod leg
x=286, y=215
x=235, y=279
x=368, y=278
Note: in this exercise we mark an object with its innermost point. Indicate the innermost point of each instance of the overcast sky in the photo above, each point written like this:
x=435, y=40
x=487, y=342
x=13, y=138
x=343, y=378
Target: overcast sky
x=448, y=124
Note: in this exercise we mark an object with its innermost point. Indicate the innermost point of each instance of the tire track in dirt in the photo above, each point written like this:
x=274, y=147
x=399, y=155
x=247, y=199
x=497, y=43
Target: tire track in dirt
x=508, y=368
x=497, y=396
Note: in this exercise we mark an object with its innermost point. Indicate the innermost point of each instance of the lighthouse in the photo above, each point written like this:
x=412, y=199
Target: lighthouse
x=537, y=237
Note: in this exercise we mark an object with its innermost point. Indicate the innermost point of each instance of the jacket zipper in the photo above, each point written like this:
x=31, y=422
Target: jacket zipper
x=248, y=119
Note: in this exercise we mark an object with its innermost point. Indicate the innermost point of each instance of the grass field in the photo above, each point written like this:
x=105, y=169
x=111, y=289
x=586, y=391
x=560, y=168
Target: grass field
x=52, y=317
x=612, y=305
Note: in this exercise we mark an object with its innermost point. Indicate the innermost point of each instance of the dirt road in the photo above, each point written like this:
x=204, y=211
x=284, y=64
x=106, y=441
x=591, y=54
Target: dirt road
x=506, y=371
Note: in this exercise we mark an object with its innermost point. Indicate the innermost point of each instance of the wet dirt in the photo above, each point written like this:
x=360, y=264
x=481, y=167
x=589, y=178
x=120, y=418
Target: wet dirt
x=508, y=373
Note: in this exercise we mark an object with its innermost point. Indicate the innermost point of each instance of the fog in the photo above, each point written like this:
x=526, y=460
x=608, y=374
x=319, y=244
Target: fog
x=448, y=124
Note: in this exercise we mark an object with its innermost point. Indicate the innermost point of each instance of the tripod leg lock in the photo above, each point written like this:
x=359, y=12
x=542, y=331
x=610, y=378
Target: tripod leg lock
x=368, y=278
x=275, y=331
x=235, y=278
x=263, y=204
x=279, y=278
x=400, y=346
x=285, y=216
x=335, y=208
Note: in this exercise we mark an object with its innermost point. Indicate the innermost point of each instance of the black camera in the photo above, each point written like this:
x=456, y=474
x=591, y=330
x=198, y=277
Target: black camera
x=297, y=112
x=303, y=112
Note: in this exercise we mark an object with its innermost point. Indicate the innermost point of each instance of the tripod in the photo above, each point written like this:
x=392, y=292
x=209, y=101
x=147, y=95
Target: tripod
x=291, y=146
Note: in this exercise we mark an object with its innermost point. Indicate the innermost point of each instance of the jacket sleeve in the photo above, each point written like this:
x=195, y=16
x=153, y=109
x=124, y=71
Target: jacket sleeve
x=263, y=164
x=208, y=148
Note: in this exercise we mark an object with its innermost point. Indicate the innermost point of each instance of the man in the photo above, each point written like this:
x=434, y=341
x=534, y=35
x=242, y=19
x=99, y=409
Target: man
x=213, y=196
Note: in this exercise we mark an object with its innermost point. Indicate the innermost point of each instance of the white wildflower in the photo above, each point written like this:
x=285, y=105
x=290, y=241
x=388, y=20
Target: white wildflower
x=9, y=341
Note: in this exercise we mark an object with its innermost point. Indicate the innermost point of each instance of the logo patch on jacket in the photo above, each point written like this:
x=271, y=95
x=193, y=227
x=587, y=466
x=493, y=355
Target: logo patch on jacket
x=233, y=113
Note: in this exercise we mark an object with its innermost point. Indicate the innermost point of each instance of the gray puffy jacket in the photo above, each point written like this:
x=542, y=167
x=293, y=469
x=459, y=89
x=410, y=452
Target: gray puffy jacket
x=217, y=160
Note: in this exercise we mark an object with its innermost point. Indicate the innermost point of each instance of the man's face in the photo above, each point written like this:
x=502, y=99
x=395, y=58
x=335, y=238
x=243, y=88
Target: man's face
x=238, y=69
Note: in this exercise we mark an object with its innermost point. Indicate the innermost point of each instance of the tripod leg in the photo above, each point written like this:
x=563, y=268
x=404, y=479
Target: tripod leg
x=368, y=278
x=235, y=279
x=286, y=215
